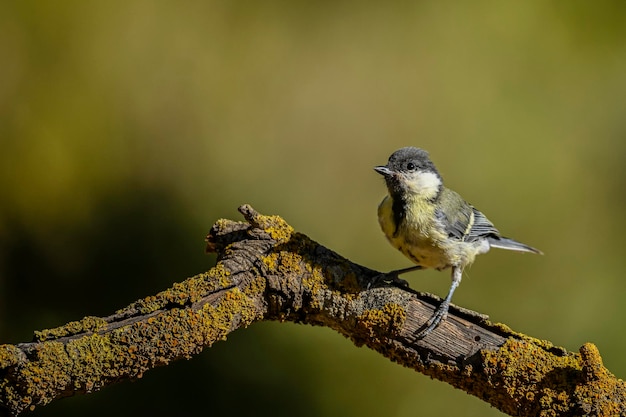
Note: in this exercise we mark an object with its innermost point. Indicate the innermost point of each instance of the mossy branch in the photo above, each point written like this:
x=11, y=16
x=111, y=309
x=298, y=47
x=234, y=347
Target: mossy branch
x=266, y=271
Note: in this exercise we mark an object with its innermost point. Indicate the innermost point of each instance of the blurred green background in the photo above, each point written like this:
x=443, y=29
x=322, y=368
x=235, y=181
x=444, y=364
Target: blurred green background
x=128, y=128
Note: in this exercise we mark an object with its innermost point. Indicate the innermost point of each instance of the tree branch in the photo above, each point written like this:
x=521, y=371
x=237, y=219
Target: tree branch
x=266, y=271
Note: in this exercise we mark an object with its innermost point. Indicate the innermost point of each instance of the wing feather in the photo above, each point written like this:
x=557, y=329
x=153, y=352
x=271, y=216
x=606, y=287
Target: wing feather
x=462, y=221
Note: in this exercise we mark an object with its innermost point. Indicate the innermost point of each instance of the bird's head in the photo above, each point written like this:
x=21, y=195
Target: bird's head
x=410, y=171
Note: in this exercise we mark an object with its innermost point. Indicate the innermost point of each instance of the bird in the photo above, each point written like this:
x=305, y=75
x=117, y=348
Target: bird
x=432, y=225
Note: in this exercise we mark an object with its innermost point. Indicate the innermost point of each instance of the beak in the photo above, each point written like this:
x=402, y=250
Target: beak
x=383, y=170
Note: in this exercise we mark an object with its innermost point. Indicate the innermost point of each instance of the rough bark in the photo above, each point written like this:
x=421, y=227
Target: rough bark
x=267, y=271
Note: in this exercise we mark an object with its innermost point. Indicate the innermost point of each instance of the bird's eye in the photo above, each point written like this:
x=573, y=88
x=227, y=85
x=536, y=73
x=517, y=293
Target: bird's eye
x=410, y=166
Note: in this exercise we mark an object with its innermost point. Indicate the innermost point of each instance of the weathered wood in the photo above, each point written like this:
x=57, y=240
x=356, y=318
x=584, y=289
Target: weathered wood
x=267, y=271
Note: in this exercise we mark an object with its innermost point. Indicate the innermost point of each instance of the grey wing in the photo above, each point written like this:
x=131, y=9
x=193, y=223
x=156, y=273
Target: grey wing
x=481, y=228
x=463, y=222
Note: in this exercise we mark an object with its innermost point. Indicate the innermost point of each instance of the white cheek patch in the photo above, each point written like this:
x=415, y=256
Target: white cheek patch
x=425, y=184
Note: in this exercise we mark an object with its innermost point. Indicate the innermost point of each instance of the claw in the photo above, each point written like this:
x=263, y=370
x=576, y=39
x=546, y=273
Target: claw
x=393, y=277
x=442, y=311
x=435, y=320
x=389, y=278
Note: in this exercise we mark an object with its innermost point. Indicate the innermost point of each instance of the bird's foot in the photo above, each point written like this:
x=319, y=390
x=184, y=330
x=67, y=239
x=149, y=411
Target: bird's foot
x=388, y=278
x=393, y=277
x=435, y=320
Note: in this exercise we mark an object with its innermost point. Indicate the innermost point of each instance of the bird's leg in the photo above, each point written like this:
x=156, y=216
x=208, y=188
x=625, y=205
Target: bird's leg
x=393, y=277
x=442, y=310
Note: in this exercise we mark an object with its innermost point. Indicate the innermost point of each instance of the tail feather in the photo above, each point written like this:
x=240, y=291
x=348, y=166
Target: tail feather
x=510, y=244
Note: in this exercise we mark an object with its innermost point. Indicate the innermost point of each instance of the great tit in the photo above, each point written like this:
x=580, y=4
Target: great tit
x=432, y=225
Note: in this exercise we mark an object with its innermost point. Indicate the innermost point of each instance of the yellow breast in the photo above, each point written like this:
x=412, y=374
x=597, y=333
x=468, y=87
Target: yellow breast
x=417, y=237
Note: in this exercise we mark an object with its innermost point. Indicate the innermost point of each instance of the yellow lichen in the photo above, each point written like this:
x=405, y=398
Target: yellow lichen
x=218, y=276
x=88, y=324
x=255, y=287
x=9, y=356
x=278, y=229
x=386, y=321
x=314, y=280
x=532, y=375
x=92, y=361
x=602, y=393
x=270, y=261
x=182, y=293
x=283, y=263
